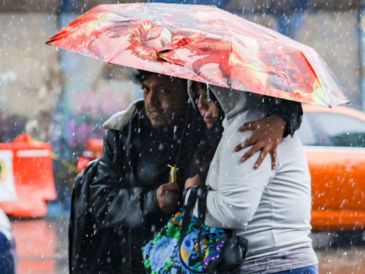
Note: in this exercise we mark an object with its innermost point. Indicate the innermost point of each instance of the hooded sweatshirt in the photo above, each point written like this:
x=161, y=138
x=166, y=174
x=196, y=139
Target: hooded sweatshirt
x=270, y=208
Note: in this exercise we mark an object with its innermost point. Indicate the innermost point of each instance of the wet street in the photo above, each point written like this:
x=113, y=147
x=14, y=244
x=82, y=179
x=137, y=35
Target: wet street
x=41, y=246
x=42, y=249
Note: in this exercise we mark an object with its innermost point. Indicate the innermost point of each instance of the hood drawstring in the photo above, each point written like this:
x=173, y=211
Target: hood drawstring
x=190, y=93
x=209, y=97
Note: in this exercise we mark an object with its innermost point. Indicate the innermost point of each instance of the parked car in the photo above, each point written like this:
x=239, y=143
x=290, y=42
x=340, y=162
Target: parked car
x=334, y=140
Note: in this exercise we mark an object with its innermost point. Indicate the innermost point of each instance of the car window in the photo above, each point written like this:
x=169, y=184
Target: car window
x=306, y=133
x=334, y=129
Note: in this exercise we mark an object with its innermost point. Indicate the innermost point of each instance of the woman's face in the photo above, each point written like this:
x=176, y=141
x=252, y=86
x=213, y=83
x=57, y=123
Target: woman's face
x=209, y=110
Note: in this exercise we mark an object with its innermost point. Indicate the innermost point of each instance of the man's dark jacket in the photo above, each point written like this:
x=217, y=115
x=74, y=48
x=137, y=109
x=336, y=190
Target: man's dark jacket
x=114, y=210
x=114, y=207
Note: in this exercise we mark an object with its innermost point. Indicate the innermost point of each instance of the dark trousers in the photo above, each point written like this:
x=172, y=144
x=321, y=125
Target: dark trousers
x=7, y=249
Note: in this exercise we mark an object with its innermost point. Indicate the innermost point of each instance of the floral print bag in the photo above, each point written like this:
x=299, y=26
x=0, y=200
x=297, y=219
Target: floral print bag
x=186, y=245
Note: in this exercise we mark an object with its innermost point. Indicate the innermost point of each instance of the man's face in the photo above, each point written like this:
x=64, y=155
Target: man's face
x=164, y=99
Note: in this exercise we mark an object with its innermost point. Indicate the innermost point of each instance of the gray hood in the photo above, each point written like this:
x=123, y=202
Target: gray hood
x=231, y=101
x=234, y=102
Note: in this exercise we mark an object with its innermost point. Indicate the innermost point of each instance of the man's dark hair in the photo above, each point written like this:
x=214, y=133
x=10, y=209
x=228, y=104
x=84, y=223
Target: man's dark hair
x=143, y=75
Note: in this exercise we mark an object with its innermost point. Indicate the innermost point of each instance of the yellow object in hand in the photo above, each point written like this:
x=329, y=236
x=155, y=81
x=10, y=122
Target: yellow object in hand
x=173, y=173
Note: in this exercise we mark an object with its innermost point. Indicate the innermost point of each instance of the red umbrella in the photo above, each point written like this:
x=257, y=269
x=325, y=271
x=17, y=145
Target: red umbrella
x=205, y=44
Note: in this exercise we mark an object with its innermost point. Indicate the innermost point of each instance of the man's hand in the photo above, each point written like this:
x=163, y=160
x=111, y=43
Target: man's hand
x=192, y=181
x=167, y=197
x=267, y=134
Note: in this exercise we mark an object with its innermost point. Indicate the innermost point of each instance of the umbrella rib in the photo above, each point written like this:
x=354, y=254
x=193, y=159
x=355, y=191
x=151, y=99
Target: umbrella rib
x=230, y=54
x=319, y=80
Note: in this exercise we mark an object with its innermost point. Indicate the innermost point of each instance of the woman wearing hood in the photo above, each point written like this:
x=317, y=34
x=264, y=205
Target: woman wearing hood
x=271, y=208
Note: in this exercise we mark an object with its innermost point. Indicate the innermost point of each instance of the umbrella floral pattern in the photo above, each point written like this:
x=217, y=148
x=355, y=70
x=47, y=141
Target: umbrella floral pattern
x=205, y=44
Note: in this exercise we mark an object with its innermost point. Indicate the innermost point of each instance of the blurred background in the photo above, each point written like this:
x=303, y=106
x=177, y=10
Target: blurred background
x=53, y=104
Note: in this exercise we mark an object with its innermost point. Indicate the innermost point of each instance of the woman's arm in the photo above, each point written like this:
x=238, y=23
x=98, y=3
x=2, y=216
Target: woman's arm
x=284, y=118
x=236, y=187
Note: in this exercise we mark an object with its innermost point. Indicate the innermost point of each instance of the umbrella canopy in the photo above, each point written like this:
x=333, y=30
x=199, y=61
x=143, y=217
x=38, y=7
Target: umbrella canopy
x=205, y=44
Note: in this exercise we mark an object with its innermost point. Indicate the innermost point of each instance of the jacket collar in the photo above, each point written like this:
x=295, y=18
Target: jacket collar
x=121, y=118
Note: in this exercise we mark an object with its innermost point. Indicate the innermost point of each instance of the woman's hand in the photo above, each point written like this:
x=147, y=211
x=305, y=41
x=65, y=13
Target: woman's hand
x=192, y=182
x=267, y=134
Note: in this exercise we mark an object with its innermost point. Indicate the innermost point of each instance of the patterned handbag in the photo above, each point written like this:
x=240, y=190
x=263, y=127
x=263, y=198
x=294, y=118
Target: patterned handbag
x=186, y=245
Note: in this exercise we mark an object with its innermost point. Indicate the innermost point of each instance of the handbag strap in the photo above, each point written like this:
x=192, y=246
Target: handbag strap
x=188, y=212
x=202, y=210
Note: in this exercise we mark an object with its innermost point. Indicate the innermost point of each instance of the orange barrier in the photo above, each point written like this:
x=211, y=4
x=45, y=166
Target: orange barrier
x=93, y=150
x=95, y=146
x=33, y=177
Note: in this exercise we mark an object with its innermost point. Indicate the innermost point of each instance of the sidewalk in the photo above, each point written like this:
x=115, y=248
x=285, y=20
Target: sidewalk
x=41, y=246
